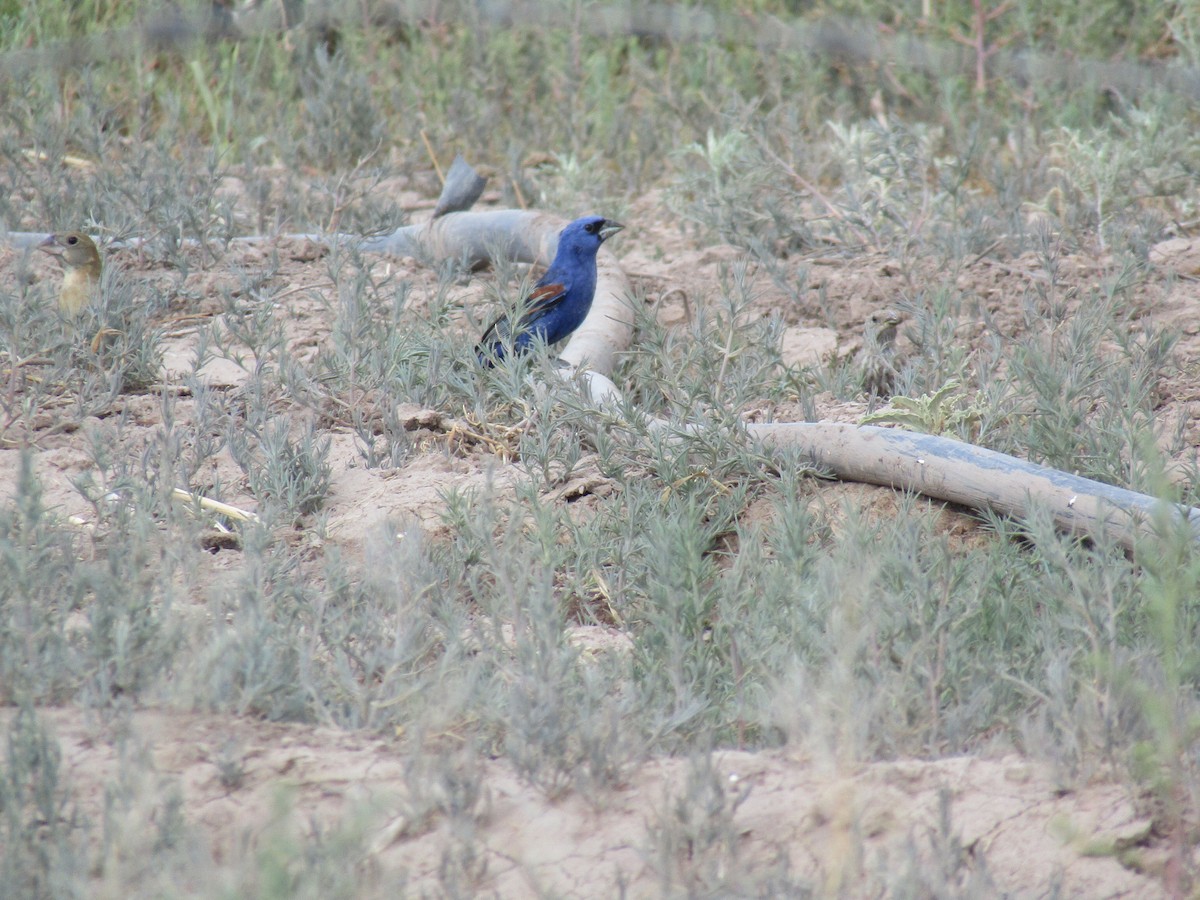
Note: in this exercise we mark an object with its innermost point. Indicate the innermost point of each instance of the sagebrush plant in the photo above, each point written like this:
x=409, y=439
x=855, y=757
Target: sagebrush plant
x=1084, y=385
x=693, y=837
x=723, y=358
x=752, y=611
x=71, y=367
x=37, y=556
x=288, y=475
x=44, y=851
x=723, y=180
x=957, y=870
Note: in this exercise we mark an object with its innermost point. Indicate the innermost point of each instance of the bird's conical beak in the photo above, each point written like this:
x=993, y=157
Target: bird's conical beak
x=609, y=229
x=50, y=245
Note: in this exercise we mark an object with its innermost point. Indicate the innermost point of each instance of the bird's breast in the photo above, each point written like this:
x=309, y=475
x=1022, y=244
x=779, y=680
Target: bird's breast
x=78, y=288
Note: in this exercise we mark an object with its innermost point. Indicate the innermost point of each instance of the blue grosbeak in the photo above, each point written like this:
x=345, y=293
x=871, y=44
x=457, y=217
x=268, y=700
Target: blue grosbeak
x=81, y=269
x=560, y=301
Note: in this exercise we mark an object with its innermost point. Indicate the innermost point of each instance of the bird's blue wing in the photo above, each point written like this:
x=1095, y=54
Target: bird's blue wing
x=540, y=301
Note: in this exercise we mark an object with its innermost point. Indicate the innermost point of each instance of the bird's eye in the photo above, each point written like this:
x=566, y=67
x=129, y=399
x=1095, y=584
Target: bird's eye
x=591, y=227
x=72, y=240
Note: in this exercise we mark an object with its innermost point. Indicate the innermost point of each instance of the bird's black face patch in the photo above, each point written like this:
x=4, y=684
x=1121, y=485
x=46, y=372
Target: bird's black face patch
x=593, y=227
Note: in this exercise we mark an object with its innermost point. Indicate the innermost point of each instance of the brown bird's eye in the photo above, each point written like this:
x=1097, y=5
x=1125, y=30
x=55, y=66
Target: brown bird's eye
x=72, y=240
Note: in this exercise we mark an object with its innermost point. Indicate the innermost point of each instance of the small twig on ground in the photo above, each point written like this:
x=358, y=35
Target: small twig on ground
x=432, y=157
x=216, y=506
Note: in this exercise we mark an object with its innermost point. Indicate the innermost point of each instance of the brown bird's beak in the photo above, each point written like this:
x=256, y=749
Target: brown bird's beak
x=890, y=317
x=50, y=245
x=608, y=229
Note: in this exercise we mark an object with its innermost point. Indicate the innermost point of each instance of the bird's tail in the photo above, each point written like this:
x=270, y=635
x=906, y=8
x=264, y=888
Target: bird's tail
x=489, y=354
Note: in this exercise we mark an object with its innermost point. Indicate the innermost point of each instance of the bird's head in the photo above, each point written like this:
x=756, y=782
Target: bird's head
x=76, y=250
x=882, y=323
x=588, y=233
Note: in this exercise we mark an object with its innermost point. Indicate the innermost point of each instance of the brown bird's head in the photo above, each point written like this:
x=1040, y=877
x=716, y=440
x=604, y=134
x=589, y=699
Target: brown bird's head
x=81, y=269
x=881, y=325
x=75, y=249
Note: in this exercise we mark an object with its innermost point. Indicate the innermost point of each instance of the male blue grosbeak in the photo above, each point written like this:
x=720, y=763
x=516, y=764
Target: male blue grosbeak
x=560, y=301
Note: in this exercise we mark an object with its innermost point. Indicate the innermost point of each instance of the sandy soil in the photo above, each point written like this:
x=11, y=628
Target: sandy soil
x=1034, y=835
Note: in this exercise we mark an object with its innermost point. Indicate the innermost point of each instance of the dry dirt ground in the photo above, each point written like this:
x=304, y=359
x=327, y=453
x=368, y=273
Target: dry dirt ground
x=808, y=811
x=813, y=812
